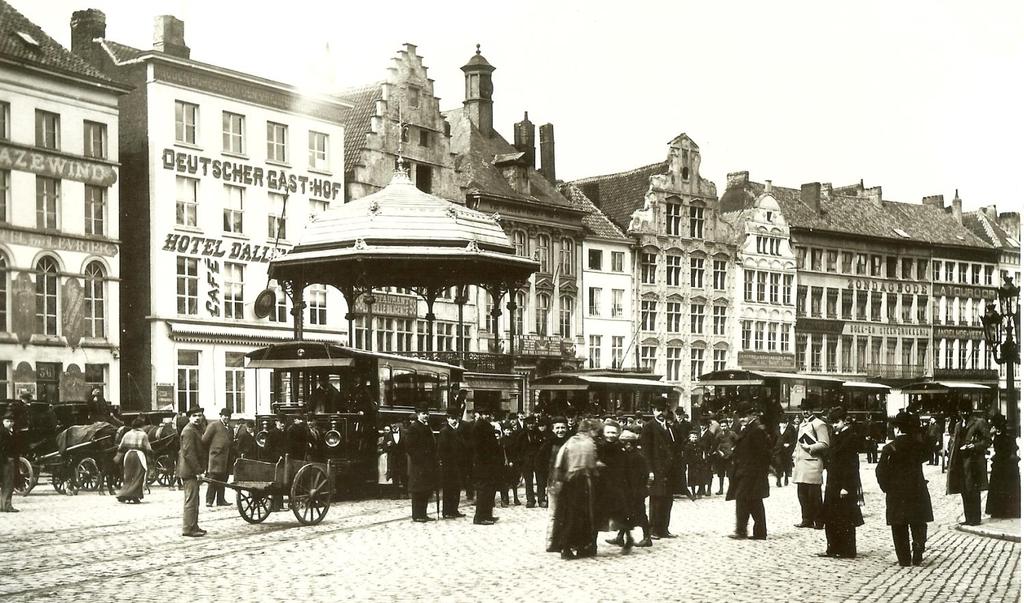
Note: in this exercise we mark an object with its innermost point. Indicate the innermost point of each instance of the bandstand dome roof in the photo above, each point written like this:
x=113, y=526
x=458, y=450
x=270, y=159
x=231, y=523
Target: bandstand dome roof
x=402, y=236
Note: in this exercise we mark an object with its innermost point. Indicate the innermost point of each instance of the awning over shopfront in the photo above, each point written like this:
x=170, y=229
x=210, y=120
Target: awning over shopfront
x=865, y=385
x=945, y=387
x=190, y=332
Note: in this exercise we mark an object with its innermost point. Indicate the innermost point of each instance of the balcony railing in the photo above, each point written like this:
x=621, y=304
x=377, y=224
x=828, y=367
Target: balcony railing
x=896, y=371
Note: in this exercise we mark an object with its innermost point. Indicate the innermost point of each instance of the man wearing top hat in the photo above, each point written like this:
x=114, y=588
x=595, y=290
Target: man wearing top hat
x=812, y=441
x=908, y=506
x=8, y=462
x=421, y=449
x=968, y=467
x=190, y=467
x=217, y=440
x=658, y=444
x=451, y=451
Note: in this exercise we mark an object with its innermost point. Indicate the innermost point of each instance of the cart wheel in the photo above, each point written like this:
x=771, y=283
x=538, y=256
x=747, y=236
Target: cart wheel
x=253, y=507
x=164, y=469
x=310, y=495
x=87, y=474
x=26, y=477
x=58, y=482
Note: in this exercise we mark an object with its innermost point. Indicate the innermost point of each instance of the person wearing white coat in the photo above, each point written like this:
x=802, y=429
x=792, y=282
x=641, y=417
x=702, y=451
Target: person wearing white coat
x=812, y=441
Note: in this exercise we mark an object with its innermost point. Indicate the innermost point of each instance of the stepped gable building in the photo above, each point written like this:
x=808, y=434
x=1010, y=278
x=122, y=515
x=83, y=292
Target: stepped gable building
x=542, y=321
x=766, y=267
x=884, y=289
x=60, y=249
x=222, y=171
x=683, y=264
x=607, y=286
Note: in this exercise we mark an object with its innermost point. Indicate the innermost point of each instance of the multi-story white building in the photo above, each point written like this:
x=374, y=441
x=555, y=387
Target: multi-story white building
x=59, y=250
x=607, y=277
x=683, y=277
x=765, y=303
x=225, y=170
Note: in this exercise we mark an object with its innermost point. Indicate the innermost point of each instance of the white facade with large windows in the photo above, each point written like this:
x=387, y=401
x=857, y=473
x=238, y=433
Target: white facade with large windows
x=59, y=249
x=226, y=170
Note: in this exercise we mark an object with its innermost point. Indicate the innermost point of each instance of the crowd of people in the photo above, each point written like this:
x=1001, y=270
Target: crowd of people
x=620, y=474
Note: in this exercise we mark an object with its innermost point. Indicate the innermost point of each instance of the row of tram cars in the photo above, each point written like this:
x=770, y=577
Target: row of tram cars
x=72, y=445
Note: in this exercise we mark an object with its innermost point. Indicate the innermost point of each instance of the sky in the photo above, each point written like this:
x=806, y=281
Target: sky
x=919, y=97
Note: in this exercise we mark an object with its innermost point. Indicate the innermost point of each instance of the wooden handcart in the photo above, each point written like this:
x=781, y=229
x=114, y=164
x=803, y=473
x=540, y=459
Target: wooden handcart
x=309, y=486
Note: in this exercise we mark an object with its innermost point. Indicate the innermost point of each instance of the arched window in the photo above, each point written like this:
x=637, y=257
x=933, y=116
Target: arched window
x=519, y=241
x=544, y=252
x=565, y=306
x=543, y=308
x=46, y=296
x=95, y=307
x=566, y=256
x=4, y=288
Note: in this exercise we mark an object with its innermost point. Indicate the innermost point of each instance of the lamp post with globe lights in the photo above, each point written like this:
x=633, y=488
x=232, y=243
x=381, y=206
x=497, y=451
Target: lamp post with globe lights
x=1001, y=328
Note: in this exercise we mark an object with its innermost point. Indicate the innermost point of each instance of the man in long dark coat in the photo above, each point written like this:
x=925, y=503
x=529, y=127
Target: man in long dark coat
x=840, y=511
x=527, y=445
x=908, y=506
x=748, y=483
x=451, y=450
x=487, y=467
x=658, y=444
x=421, y=449
x=217, y=440
x=466, y=431
x=968, y=467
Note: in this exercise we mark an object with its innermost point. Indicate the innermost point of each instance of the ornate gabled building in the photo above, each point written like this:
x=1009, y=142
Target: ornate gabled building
x=459, y=156
x=765, y=307
x=683, y=264
x=886, y=291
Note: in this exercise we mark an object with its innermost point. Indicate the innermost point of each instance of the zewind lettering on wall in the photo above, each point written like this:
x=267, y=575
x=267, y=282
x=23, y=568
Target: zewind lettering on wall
x=241, y=173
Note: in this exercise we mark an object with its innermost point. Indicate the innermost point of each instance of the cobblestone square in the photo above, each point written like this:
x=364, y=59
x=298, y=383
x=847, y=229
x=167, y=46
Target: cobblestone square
x=89, y=548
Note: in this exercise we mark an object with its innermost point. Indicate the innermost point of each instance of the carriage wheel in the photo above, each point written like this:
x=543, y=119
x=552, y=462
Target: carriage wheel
x=253, y=507
x=57, y=481
x=164, y=469
x=26, y=477
x=87, y=474
x=310, y=495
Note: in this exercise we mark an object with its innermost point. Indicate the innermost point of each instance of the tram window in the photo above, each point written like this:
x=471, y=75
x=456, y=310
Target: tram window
x=404, y=387
x=428, y=388
x=387, y=390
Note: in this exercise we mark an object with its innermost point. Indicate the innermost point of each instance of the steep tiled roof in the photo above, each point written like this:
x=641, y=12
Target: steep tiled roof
x=121, y=53
x=46, y=53
x=475, y=159
x=858, y=216
x=357, y=119
x=595, y=222
x=619, y=195
x=989, y=230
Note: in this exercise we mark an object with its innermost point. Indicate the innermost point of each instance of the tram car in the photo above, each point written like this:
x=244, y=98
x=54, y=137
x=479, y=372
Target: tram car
x=324, y=402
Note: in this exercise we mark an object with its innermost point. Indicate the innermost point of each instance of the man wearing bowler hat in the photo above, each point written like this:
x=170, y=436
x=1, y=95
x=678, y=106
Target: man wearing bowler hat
x=217, y=440
x=421, y=449
x=8, y=462
x=658, y=444
x=190, y=468
x=812, y=442
x=487, y=465
x=748, y=483
x=451, y=451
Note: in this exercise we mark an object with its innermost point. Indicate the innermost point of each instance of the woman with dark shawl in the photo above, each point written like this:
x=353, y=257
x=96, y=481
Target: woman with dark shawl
x=133, y=449
x=1004, y=483
x=574, y=472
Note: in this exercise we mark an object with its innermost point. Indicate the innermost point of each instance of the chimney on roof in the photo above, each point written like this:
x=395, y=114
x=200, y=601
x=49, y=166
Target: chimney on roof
x=1010, y=222
x=525, y=134
x=169, y=36
x=990, y=212
x=936, y=201
x=767, y=186
x=874, y=193
x=737, y=179
x=86, y=26
x=958, y=208
x=479, y=90
x=810, y=194
x=547, y=152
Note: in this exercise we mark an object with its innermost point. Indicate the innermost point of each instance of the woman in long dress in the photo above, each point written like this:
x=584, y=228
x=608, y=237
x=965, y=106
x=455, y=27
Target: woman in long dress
x=1004, y=484
x=134, y=448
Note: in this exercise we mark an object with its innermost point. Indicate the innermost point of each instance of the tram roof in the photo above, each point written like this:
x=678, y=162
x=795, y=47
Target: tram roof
x=940, y=387
x=745, y=377
x=315, y=354
x=578, y=381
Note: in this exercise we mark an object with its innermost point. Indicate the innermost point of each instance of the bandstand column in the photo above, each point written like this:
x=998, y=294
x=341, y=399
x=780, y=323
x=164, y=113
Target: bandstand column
x=512, y=306
x=461, y=297
x=369, y=300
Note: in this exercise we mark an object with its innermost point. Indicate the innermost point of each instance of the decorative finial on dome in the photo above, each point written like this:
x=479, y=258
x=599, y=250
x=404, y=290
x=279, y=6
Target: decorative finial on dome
x=401, y=175
x=478, y=49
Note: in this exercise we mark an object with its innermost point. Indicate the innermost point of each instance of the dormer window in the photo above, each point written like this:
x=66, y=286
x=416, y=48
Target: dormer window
x=768, y=215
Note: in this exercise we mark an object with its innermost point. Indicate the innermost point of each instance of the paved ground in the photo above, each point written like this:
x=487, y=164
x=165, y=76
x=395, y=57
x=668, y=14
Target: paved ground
x=92, y=548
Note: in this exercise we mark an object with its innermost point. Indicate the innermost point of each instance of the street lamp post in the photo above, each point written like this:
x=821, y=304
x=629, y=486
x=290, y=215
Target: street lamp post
x=1000, y=336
